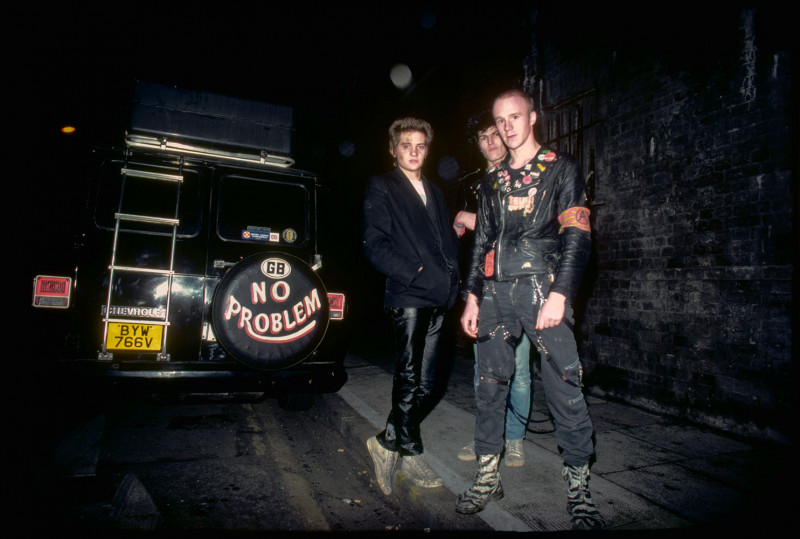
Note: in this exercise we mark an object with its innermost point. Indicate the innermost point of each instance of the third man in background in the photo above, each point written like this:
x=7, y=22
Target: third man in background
x=483, y=132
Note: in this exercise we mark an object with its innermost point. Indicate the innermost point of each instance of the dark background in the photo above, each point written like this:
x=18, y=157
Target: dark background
x=77, y=65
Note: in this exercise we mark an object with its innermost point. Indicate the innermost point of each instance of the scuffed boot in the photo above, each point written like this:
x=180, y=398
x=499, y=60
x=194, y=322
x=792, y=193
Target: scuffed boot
x=514, y=456
x=585, y=515
x=384, y=461
x=487, y=486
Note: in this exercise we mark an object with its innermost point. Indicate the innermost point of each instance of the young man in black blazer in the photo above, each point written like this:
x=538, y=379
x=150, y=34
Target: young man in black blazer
x=408, y=238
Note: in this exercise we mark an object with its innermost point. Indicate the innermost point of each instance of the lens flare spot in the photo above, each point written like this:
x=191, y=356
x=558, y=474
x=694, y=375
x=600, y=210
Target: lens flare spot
x=401, y=76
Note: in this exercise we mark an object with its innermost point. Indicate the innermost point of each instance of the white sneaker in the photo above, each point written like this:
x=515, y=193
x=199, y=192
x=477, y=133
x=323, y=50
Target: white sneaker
x=420, y=472
x=384, y=461
x=467, y=452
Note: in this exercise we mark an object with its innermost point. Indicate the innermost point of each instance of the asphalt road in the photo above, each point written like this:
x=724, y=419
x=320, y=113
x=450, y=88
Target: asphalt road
x=215, y=464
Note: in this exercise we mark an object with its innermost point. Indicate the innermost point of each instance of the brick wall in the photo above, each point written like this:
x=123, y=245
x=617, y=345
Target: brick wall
x=686, y=306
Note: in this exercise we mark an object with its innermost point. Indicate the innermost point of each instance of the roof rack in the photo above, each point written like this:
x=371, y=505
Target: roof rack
x=171, y=146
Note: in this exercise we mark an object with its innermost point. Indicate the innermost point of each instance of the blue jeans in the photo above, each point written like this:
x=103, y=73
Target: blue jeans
x=518, y=407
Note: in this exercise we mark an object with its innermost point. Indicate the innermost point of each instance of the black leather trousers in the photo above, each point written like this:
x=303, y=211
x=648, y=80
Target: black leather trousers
x=417, y=333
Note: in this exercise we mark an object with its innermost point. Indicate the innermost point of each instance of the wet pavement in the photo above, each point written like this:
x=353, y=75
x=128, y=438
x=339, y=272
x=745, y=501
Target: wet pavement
x=653, y=473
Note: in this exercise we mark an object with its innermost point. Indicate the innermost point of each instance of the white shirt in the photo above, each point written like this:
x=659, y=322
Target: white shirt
x=421, y=190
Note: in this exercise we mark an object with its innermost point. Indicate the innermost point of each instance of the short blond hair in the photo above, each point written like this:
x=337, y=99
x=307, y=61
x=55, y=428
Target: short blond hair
x=409, y=124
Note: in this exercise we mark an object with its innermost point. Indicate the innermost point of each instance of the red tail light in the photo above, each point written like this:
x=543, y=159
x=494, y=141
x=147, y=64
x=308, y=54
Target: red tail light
x=336, y=305
x=51, y=292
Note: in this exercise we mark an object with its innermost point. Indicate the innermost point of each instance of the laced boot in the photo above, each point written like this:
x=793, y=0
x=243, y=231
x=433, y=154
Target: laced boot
x=515, y=455
x=487, y=486
x=585, y=515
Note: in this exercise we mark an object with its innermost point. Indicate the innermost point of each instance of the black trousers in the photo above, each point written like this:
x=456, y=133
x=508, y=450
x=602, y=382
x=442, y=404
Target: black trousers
x=417, y=334
x=508, y=309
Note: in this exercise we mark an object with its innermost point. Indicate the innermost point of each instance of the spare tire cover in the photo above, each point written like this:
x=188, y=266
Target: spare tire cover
x=270, y=311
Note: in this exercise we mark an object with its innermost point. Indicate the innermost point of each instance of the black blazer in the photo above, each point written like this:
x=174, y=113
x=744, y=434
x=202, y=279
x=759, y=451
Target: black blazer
x=401, y=235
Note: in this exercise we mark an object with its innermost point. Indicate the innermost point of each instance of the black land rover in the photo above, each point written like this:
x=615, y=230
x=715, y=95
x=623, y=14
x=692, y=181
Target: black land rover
x=197, y=266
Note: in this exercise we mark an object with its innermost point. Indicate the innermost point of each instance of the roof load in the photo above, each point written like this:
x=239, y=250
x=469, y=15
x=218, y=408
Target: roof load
x=186, y=121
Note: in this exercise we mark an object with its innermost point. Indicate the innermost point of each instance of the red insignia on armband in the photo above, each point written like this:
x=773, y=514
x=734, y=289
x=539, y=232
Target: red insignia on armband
x=577, y=216
x=488, y=269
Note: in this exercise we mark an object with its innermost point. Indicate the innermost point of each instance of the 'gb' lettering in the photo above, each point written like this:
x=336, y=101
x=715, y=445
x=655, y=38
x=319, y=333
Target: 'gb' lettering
x=276, y=267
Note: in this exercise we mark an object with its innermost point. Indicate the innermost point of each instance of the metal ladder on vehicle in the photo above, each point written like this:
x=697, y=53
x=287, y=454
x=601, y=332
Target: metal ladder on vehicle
x=169, y=272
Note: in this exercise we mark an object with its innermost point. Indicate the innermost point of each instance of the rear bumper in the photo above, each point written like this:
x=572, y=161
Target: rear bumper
x=169, y=377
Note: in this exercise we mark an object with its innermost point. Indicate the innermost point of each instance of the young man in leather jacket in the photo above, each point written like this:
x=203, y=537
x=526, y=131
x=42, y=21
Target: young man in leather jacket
x=408, y=238
x=532, y=243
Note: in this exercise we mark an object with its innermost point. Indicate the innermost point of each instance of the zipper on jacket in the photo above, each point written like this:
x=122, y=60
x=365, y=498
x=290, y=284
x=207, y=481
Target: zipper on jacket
x=498, y=241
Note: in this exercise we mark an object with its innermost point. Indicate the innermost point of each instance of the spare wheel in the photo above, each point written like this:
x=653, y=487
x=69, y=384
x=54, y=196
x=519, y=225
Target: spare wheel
x=270, y=311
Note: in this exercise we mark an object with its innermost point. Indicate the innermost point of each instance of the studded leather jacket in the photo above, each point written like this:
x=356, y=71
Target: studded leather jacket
x=532, y=221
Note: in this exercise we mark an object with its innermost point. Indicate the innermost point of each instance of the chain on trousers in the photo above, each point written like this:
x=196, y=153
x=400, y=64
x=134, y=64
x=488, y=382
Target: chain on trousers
x=507, y=309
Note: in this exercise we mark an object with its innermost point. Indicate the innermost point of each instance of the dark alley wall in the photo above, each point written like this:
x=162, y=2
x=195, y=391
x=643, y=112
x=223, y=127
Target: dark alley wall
x=683, y=127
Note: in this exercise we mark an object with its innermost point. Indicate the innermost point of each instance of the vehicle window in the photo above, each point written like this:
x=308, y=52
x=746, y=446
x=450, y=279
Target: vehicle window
x=263, y=210
x=147, y=197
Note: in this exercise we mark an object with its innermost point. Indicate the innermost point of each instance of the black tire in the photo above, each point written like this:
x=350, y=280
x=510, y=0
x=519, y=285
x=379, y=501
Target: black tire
x=297, y=402
x=259, y=345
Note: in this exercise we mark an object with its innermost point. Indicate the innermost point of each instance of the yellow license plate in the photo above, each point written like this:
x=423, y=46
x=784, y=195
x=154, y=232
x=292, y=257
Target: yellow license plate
x=143, y=337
